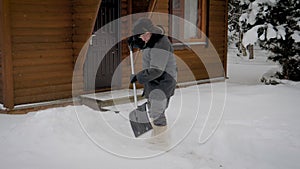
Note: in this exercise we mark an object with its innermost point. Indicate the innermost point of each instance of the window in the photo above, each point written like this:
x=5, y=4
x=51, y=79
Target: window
x=195, y=12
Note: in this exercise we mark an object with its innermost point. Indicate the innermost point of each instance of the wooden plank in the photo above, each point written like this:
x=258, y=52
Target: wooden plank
x=42, y=75
x=220, y=29
x=44, y=2
x=1, y=53
x=83, y=9
x=85, y=2
x=42, y=46
x=18, y=71
x=41, y=16
x=82, y=38
x=33, y=54
x=83, y=26
x=42, y=24
x=40, y=31
x=29, y=8
x=217, y=3
x=43, y=82
x=7, y=62
x=41, y=39
x=43, y=97
x=84, y=16
x=43, y=61
x=43, y=90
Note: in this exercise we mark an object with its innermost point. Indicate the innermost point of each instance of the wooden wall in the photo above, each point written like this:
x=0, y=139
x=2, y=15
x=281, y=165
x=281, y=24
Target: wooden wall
x=1, y=78
x=41, y=42
x=41, y=33
x=43, y=39
x=6, y=54
x=1, y=54
x=1, y=50
x=218, y=25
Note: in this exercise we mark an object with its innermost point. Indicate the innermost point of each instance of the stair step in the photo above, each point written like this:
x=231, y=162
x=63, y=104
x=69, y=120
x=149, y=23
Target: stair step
x=103, y=100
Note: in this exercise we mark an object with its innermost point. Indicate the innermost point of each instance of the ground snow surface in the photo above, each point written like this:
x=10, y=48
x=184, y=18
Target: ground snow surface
x=259, y=129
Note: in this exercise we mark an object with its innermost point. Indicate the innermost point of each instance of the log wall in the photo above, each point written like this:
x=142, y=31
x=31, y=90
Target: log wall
x=1, y=55
x=6, y=55
x=41, y=40
x=1, y=78
x=41, y=34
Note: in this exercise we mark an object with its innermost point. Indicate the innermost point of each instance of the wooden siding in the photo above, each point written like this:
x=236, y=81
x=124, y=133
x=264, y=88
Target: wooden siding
x=6, y=55
x=48, y=36
x=41, y=33
x=1, y=77
x=1, y=50
x=1, y=53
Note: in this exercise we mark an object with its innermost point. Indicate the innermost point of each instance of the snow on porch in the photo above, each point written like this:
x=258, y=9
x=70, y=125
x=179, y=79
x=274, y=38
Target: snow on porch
x=105, y=101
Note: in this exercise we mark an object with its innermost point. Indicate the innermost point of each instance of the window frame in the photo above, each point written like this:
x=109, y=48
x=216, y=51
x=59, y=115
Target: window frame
x=202, y=25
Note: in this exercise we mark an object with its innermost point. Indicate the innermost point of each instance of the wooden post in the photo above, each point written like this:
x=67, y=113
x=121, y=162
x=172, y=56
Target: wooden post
x=7, y=64
x=242, y=48
x=251, y=51
x=226, y=40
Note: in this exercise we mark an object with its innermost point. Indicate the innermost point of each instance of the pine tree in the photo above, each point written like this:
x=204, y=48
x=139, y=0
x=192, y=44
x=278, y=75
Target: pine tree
x=277, y=26
x=235, y=9
x=283, y=19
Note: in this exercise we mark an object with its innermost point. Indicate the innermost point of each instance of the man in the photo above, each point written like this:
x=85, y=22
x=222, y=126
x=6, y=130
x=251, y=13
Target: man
x=159, y=72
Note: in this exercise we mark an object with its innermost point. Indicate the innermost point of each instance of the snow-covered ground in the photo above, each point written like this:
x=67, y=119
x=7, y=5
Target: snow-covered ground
x=259, y=129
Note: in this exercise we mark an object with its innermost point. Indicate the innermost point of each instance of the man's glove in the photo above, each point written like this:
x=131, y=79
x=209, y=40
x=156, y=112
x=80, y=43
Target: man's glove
x=133, y=78
x=136, y=42
x=130, y=42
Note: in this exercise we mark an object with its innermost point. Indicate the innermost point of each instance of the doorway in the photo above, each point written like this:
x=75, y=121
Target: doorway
x=99, y=76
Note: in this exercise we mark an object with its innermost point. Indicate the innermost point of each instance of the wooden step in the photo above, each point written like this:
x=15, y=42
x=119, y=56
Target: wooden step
x=103, y=101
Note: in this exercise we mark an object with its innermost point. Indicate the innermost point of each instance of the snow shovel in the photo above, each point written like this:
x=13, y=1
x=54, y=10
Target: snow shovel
x=139, y=120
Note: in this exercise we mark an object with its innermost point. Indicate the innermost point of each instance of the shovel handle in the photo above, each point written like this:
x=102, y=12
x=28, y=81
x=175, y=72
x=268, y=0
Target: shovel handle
x=132, y=72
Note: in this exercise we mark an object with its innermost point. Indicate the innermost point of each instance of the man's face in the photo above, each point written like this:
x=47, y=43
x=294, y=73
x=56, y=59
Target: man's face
x=145, y=37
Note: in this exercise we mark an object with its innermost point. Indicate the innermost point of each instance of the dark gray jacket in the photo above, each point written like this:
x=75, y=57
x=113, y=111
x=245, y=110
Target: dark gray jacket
x=159, y=66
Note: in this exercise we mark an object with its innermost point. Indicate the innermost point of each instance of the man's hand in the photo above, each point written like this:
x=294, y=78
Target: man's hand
x=133, y=78
x=130, y=42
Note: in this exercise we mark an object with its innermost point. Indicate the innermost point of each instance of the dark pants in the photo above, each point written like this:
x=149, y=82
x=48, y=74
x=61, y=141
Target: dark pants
x=157, y=105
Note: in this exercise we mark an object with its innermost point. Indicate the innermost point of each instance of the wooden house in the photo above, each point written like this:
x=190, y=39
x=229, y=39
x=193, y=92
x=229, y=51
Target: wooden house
x=40, y=42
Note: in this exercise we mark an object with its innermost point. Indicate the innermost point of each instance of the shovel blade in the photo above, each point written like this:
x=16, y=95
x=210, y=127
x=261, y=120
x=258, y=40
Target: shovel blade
x=139, y=121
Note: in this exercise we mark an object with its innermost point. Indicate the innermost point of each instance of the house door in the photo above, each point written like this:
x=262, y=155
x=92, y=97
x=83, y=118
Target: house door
x=99, y=76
